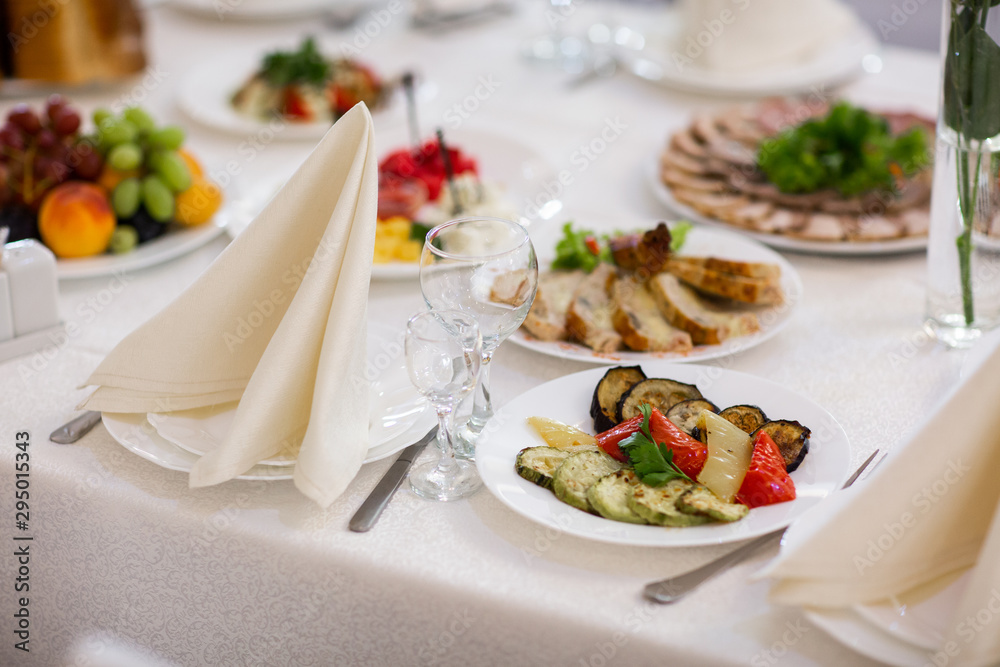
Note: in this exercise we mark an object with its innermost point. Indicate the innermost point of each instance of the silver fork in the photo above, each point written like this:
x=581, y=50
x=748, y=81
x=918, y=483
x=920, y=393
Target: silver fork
x=673, y=589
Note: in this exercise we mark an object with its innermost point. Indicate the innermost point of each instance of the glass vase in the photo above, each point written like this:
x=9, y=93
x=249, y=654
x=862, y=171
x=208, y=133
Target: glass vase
x=963, y=253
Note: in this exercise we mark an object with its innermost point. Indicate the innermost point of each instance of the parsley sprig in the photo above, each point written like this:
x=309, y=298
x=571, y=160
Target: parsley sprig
x=306, y=65
x=653, y=462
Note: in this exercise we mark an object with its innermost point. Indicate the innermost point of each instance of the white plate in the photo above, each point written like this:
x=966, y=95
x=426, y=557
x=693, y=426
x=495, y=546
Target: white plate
x=699, y=241
x=919, y=617
x=836, y=64
x=666, y=197
x=204, y=92
x=256, y=10
x=398, y=417
x=850, y=629
x=174, y=243
x=567, y=399
x=502, y=160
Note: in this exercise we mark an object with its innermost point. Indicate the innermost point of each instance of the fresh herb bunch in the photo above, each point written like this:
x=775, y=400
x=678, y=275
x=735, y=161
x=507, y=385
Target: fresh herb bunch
x=849, y=150
x=653, y=462
x=583, y=249
x=307, y=65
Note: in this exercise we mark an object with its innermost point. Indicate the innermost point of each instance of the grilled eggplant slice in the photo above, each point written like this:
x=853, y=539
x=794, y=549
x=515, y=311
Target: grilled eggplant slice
x=700, y=500
x=747, y=418
x=792, y=439
x=684, y=415
x=604, y=406
x=658, y=505
x=578, y=473
x=538, y=464
x=609, y=496
x=660, y=393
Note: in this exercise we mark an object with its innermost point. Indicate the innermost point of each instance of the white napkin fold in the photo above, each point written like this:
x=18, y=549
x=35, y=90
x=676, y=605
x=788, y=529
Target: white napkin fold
x=932, y=508
x=743, y=36
x=277, y=322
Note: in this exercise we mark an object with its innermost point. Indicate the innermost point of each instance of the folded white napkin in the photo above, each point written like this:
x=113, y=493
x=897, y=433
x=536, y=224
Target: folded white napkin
x=932, y=508
x=742, y=36
x=277, y=322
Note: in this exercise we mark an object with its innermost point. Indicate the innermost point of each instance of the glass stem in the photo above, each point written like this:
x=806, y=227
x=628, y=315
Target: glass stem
x=482, y=406
x=446, y=438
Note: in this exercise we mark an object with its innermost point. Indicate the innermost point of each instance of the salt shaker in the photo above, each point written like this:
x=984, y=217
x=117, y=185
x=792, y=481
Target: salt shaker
x=30, y=268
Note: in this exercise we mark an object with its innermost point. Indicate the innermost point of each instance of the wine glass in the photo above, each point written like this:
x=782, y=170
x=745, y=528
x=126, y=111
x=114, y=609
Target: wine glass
x=443, y=356
x=484, y=267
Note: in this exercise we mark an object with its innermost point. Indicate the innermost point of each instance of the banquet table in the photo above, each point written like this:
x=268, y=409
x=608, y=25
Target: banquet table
x=124, y=554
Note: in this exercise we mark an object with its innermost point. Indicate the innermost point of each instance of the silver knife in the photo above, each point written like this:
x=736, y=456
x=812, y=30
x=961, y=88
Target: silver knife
x=673, y=589
x=371, y=509
x=76, y=428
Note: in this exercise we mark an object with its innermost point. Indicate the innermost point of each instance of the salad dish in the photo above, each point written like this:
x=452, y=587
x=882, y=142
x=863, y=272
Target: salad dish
x=304, y=86
x=681, y=293
x=804, y=175
x=674, y=467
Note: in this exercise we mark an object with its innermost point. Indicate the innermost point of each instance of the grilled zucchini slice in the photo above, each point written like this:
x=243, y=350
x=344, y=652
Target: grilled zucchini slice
x=700, y=500
x=684, y=415
x=792, y=439
x=609, y=496
x=658, y=505
x=660, y=393
x=578, y=473
x=604, y=406
x=538, y=464
x=747, y=418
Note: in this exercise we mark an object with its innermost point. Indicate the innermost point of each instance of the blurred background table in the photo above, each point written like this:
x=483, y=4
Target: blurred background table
x=253, y=573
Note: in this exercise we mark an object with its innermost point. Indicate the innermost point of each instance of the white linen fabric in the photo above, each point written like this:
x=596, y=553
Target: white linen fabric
x=745, y=37
x=278, y=322
x=932, y=509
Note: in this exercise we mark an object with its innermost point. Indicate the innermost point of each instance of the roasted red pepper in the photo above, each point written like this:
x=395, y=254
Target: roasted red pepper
x=294, y=107
x=689, y=454
x=766, y=482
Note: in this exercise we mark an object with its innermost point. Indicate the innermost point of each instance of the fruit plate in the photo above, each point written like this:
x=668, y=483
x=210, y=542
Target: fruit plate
x=567, y=399
x=700, y=241
x=892, y=246
x=174, y=243
x=398, y=417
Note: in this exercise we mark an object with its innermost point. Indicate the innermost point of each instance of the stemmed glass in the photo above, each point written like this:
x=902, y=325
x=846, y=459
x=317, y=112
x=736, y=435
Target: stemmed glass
x=484, y=267
x=443, y=356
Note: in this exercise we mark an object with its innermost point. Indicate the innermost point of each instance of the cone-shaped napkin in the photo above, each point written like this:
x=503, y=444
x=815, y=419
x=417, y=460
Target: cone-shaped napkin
x=277, y=322
x=931, y=509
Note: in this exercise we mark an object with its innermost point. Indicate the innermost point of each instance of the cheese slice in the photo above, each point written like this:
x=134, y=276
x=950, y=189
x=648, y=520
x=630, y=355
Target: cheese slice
x=729, y=454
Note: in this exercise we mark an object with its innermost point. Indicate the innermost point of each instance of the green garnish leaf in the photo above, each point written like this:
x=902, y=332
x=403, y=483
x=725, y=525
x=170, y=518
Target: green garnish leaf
x=307, y=65
x=678, y=234
x=653, y=462
x=418, y=231
x=849, y=150
x=572, y=251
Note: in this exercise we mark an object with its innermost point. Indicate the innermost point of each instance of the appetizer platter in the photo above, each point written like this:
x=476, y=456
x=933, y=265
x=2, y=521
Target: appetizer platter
x=126, y=195
x=492, y=174
x=696, y=294
x=290, y=94
x=550, y=459
x=802, y=175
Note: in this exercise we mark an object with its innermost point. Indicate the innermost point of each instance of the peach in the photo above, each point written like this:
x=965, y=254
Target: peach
x=76, y=220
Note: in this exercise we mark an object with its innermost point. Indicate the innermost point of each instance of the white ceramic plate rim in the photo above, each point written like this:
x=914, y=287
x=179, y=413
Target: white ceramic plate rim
x=567, y=399
x=851, y=630
x=173, y=244
x=284, y=9
x=741, y=248
x=839, y=63
x=666, y=197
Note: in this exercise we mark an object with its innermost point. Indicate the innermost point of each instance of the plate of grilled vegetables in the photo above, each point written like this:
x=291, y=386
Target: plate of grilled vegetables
x=662, y=454
x=674, y=292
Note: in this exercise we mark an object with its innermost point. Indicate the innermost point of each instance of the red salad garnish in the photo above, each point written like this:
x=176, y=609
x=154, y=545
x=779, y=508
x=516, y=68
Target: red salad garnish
x=766, y=482
x=425, y=163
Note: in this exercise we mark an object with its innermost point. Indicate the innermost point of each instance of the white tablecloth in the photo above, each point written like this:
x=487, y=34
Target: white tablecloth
x=124, y=554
